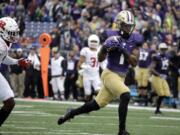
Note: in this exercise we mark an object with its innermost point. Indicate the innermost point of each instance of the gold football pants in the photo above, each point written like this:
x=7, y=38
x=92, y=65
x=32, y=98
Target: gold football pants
x=112, y=86
x=160, y=86
x=142, y=76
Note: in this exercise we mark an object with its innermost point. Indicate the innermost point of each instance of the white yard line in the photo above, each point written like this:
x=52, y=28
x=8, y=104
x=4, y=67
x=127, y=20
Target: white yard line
x=165, y=118
x=24, y=122
x=36, y=128
x=24, y=106
x=51, y=133
x=155, y=126
x=24, y=127
x=32, y=112
x=42, y=114
x=110, y=105
x=30, y=115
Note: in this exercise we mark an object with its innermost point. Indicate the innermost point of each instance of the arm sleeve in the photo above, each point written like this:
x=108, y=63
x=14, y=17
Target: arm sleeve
x=10, y=61
x=83, y=52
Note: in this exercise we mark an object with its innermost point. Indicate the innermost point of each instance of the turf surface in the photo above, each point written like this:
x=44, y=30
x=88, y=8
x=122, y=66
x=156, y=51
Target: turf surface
x=40, y=118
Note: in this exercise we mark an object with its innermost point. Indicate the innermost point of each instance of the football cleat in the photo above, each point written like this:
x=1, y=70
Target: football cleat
x=124, y=133
x=158, y=112
x=68, y=115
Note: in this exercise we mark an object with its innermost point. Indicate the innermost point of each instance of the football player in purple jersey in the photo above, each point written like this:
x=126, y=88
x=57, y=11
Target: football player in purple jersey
x=142, y=72
x=121, y=51
x=159, y=69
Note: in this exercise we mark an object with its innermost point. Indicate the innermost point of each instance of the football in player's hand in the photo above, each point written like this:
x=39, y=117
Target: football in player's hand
x=132, y=60
x=24, y=63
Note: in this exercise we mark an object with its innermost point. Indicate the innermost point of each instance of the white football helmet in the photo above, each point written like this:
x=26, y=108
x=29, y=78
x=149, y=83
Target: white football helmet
x=125, y=22
x=93, y=41
x=9, y=29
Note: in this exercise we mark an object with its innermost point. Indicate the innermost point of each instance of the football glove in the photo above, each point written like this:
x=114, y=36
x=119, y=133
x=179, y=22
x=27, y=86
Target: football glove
x=24, y=63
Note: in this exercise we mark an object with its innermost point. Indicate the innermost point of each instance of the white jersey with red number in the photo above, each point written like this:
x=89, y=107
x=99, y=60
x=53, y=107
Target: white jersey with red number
x=91, y=64
x=90, y=67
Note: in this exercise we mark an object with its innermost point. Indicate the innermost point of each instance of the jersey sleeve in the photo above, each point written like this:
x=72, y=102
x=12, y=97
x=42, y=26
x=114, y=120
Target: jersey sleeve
x=83, y=52
x=10, y=61
x=1, y=56
x=139, y=39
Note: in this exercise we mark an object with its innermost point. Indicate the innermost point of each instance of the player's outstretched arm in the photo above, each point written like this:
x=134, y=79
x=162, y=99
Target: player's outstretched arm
x=24, y=63
x=80, y=62
x=10, y=61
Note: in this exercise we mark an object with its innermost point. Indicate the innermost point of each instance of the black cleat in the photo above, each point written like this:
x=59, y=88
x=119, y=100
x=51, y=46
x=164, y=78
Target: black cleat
x=158, y=112
x=123, y=133
x=68, y=115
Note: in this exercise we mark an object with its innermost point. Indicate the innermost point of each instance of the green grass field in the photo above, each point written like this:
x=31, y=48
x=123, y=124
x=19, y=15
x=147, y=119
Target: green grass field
x=40, y=118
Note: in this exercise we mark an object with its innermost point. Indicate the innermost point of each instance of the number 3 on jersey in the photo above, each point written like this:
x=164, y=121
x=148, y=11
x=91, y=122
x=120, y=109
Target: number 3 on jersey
x=94, y=62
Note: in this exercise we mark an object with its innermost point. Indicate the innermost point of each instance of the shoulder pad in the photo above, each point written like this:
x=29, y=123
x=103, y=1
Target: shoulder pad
x=108, y=33
x=111, y=32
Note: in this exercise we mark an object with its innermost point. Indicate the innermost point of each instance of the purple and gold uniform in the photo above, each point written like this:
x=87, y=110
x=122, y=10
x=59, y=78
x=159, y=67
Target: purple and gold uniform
x=159, y=83
x=142, y=70
x=117, y=67
x=117, y=49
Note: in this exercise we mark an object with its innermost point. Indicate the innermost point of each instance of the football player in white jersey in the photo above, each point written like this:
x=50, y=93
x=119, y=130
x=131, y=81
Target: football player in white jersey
x=88, y=62
x=9, y=33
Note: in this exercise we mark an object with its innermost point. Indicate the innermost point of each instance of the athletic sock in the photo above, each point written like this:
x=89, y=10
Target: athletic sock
x=123, y=108
x=86, y=108
x=3, y=115
x=159, y=101
x=146, y=100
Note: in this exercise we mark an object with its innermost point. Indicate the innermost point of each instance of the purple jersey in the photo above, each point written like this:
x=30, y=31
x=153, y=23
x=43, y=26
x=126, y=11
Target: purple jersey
x=115, y=58
x=162, y=63
x=144, y=58
x=110, y=33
